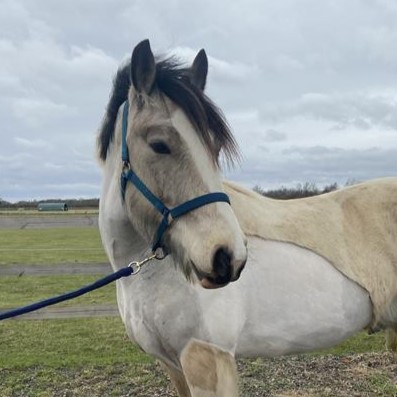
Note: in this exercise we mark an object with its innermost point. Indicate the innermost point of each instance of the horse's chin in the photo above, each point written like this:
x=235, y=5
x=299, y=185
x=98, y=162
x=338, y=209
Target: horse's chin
x=205, y=280
x=209, y=284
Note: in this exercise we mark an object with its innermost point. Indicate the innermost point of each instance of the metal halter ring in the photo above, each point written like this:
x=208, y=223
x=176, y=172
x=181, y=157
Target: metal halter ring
x=136, y=266
x=160, y=253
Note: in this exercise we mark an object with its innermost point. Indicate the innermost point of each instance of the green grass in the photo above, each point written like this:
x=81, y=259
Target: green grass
x=381, y=385
x=91, y=356
x=360, y=343
x=100, y=341
x=129, y=379
x=66, y=343
x=51, y=246
x=74, y=357
x=19, y=291
x=94, y=357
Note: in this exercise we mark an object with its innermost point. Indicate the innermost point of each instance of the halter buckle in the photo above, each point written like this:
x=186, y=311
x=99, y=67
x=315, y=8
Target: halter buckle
x=167, y=215
x=126, y=166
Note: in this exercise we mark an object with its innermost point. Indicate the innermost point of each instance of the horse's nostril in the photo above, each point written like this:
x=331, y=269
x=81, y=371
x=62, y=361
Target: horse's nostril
x=222, y=266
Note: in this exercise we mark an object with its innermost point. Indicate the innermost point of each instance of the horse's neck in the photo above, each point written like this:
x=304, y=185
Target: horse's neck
x=122, y=242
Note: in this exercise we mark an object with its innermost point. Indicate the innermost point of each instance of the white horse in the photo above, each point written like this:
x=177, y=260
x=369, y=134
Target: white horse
x=290, y=298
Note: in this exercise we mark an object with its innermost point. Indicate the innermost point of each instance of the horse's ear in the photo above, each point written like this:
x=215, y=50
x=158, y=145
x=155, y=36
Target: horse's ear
x=199, y=69
x=143, y=68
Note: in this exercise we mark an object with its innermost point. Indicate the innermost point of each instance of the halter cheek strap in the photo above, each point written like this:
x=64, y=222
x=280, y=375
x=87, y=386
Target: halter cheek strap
x=168, y=214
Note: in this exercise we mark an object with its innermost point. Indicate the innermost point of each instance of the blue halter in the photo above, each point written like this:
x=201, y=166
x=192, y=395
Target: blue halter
x=128, y=174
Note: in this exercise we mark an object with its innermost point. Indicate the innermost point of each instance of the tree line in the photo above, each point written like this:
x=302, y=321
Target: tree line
x=306, y=189
x=32, y=204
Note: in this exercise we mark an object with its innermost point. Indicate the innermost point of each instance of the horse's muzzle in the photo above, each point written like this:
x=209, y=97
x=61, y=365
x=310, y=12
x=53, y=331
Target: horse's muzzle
x=223, y=270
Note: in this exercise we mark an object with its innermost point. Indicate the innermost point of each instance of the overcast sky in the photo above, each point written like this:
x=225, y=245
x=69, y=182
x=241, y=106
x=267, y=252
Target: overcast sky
x=309, y=87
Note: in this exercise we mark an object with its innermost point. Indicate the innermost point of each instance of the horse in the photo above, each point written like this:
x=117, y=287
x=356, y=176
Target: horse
x=316, y=271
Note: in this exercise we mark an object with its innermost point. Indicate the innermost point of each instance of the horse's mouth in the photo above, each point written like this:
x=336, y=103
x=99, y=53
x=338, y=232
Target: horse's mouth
x=209, y=283
x=206, y=280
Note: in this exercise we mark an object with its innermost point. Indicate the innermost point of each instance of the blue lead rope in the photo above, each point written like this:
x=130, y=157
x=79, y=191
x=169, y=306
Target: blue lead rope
x=124, y=272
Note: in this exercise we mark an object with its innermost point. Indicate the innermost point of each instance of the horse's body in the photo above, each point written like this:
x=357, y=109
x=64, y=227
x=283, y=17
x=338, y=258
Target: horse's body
x=290, y=298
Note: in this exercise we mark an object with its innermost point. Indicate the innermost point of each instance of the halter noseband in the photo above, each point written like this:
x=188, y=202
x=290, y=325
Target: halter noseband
x=127, y=174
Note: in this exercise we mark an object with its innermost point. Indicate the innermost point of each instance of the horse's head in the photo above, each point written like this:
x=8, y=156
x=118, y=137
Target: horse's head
x=174, y=136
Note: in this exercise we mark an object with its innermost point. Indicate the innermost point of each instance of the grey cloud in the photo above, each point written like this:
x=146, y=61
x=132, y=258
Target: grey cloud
x=57, y=60
x=319, y=164
x=324, y=162
x=274, y=136
x=343, y=109
x=47, y=178
x=31, y=143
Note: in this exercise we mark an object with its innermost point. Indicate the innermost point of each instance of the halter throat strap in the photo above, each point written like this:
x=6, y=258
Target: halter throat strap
x=169, y=214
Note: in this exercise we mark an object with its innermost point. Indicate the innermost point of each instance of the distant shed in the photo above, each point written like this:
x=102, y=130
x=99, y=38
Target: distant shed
x=52, y=207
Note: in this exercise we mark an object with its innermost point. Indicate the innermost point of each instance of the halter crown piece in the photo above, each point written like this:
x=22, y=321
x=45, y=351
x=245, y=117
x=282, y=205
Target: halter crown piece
x=127, y=174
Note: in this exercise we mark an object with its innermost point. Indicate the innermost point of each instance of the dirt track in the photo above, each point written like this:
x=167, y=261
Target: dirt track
x=55, y=312
x=49, y=270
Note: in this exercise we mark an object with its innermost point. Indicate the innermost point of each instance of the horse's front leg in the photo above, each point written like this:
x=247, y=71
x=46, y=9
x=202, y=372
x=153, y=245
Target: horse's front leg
x=178, y=380
x=209, y=371
x=391, y=339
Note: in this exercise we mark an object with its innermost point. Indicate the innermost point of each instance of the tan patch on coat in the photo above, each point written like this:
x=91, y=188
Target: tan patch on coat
x=354, y=228
x=199, y=365
x=209, y=369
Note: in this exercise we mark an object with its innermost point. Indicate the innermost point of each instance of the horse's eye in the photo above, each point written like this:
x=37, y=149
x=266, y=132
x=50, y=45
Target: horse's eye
x=160, y=147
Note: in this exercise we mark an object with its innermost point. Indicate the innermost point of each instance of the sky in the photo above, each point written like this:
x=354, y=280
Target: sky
x=309, y=87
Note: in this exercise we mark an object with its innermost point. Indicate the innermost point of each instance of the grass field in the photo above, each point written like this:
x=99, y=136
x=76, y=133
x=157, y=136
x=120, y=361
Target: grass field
x=87, y=341
x=19, y=291
x=43, y=358
x=102, y=341
x=51, y=246
x=93, y=356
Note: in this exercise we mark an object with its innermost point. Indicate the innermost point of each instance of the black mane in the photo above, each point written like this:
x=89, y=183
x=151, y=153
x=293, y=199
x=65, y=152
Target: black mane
x=118, y=95
x=175, y=82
